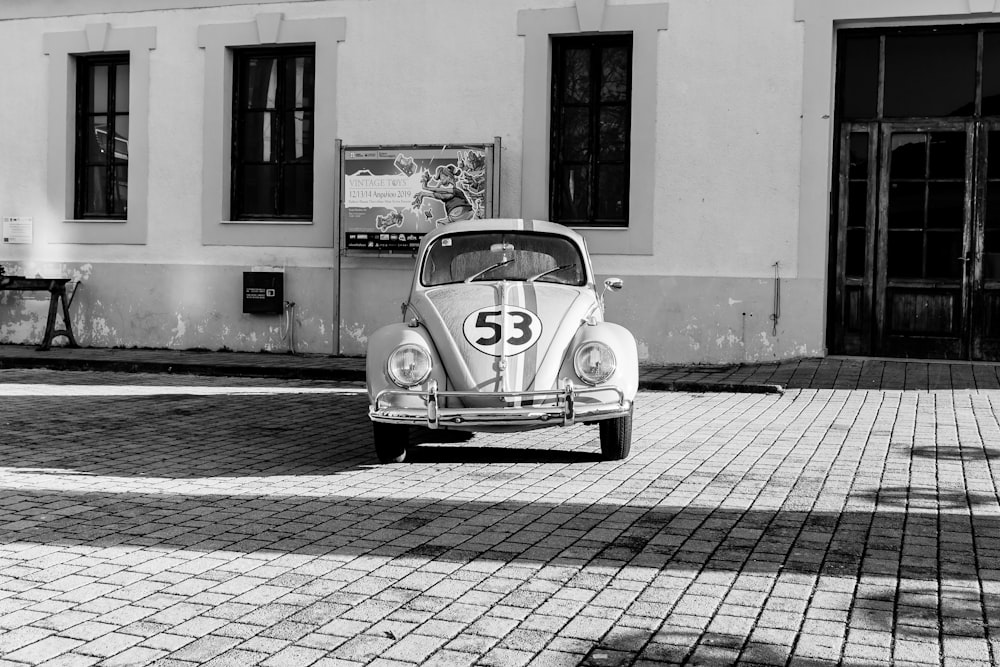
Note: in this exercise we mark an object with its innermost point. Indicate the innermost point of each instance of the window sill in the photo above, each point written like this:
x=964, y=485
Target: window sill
x=120, y=221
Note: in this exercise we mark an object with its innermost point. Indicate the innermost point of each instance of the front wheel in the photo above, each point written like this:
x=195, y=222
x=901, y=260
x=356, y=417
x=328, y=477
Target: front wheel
x=616, y=437
x=390, y=441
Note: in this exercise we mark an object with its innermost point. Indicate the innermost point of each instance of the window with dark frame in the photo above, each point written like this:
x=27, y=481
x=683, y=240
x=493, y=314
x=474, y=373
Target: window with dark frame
x=101, y=183
x=272, y=150
x=590, y=119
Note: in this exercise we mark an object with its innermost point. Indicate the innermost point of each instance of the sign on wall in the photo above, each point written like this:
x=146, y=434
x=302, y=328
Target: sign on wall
x=392, y=195
x=17, y=229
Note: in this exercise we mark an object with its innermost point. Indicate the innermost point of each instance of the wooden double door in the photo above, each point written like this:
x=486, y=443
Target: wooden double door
x=917, y=240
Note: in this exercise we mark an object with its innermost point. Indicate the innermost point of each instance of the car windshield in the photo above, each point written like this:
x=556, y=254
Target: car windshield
x=522, y=256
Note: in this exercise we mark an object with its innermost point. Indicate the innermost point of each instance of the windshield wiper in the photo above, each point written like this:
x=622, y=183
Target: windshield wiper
x=552, y=270
x=488, y=269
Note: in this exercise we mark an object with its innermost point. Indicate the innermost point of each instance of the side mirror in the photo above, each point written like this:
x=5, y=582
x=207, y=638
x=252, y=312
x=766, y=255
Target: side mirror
x=614, y=283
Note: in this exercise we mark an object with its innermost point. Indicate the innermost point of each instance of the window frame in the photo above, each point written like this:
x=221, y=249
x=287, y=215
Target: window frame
x=85, y=64
x=240, y=113
x=595, y=45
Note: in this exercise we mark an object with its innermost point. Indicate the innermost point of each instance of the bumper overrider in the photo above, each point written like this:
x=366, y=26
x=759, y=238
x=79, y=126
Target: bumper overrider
x=553, y=407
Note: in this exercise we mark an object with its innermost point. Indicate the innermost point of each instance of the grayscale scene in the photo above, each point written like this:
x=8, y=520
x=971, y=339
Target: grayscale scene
x=500, y=333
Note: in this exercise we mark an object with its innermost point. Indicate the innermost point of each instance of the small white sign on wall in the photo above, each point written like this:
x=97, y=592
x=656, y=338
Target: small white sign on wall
x=17, y=229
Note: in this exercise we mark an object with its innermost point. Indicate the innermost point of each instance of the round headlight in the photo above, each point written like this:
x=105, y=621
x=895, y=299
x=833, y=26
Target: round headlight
x=409, y=365
x=594, y=362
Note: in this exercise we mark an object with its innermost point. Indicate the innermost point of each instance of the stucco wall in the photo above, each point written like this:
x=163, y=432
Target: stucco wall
x=725, y=194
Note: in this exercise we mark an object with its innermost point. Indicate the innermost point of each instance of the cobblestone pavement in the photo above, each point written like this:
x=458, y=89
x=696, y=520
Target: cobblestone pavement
x=184, y=520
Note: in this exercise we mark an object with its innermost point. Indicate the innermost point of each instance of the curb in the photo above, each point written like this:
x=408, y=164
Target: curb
x=331, y=374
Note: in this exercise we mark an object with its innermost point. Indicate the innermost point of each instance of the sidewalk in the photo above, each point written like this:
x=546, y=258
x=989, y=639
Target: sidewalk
x=810, y=373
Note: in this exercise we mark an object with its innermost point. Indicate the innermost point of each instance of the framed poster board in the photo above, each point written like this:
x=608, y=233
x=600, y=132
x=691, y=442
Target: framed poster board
x=391, y=196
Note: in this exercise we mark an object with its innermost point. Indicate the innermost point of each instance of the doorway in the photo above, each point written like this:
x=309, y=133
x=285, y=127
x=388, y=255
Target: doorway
x=915, y=262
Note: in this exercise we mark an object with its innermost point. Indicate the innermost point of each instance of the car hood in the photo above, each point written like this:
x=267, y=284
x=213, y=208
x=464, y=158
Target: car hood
x=473, y=332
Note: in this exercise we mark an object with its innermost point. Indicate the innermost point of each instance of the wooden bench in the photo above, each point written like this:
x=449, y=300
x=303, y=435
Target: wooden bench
x=56, y=287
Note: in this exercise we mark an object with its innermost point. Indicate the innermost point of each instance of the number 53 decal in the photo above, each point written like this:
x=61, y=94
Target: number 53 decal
x=486, y=329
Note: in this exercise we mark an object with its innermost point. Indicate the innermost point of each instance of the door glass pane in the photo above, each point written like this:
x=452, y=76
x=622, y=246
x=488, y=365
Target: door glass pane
x=298, y=139
x=857, y=203
x=909, y=156
x=991, y=215
x=119, y=190
x=991, y=74
x=947, y=159
x=991, y=254
x=855, y=255
x=299, y=82
x=946, y=204
x=905, y=254
x=906, y=205
x=993, y=151
x=944, y=250
x=858, y=155
x=930, y=75
x=859, y=77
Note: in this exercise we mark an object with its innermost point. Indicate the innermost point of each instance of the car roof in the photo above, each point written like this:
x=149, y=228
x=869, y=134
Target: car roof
x=504, y=225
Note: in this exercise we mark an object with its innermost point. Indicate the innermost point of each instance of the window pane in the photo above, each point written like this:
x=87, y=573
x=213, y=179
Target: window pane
x=261, y=83
x=945, y=204
x=258, y=142
x=614, y=74
x=98, y=89
x=613, y=139
x=96, y=139
x=576, y=76
x=947, y=158
x=855, y=260
x=298, y=190
x=991, y=254
x=298, y=137
x=575, y=145
x=260, y=185
x=95, y=202
x=906, y=205
x=574, y=193
x=943, y=252
x=299, y=89
x=859, y=77
x=611, y=194
x=905, y=255
x=993, y=155
x=915, y=65
x=121, y=87
x=119, y=190
x=121, y=138
x=909, y=156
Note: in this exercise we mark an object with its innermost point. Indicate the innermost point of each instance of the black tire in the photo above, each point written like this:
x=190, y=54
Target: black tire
x=390, y=441
x=616, y=437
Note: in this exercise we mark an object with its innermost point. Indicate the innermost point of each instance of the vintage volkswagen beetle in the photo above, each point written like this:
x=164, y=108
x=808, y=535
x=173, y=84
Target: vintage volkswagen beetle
x=503, y=331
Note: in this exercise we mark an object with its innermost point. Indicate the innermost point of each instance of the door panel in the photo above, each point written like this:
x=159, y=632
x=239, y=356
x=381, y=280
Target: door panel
x=985, y=317
x=924, y=219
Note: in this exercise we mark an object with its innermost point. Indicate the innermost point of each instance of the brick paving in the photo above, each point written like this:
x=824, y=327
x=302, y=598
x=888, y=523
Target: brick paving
x=182, y=520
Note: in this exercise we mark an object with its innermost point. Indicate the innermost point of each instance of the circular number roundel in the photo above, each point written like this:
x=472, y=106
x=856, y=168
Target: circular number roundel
x=490, y=332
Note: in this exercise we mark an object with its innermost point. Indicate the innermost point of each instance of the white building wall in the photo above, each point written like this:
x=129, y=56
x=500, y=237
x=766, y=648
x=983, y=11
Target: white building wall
x=726, y=181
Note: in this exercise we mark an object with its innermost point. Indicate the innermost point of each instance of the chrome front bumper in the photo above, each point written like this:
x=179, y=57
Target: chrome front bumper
x=561, y=407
